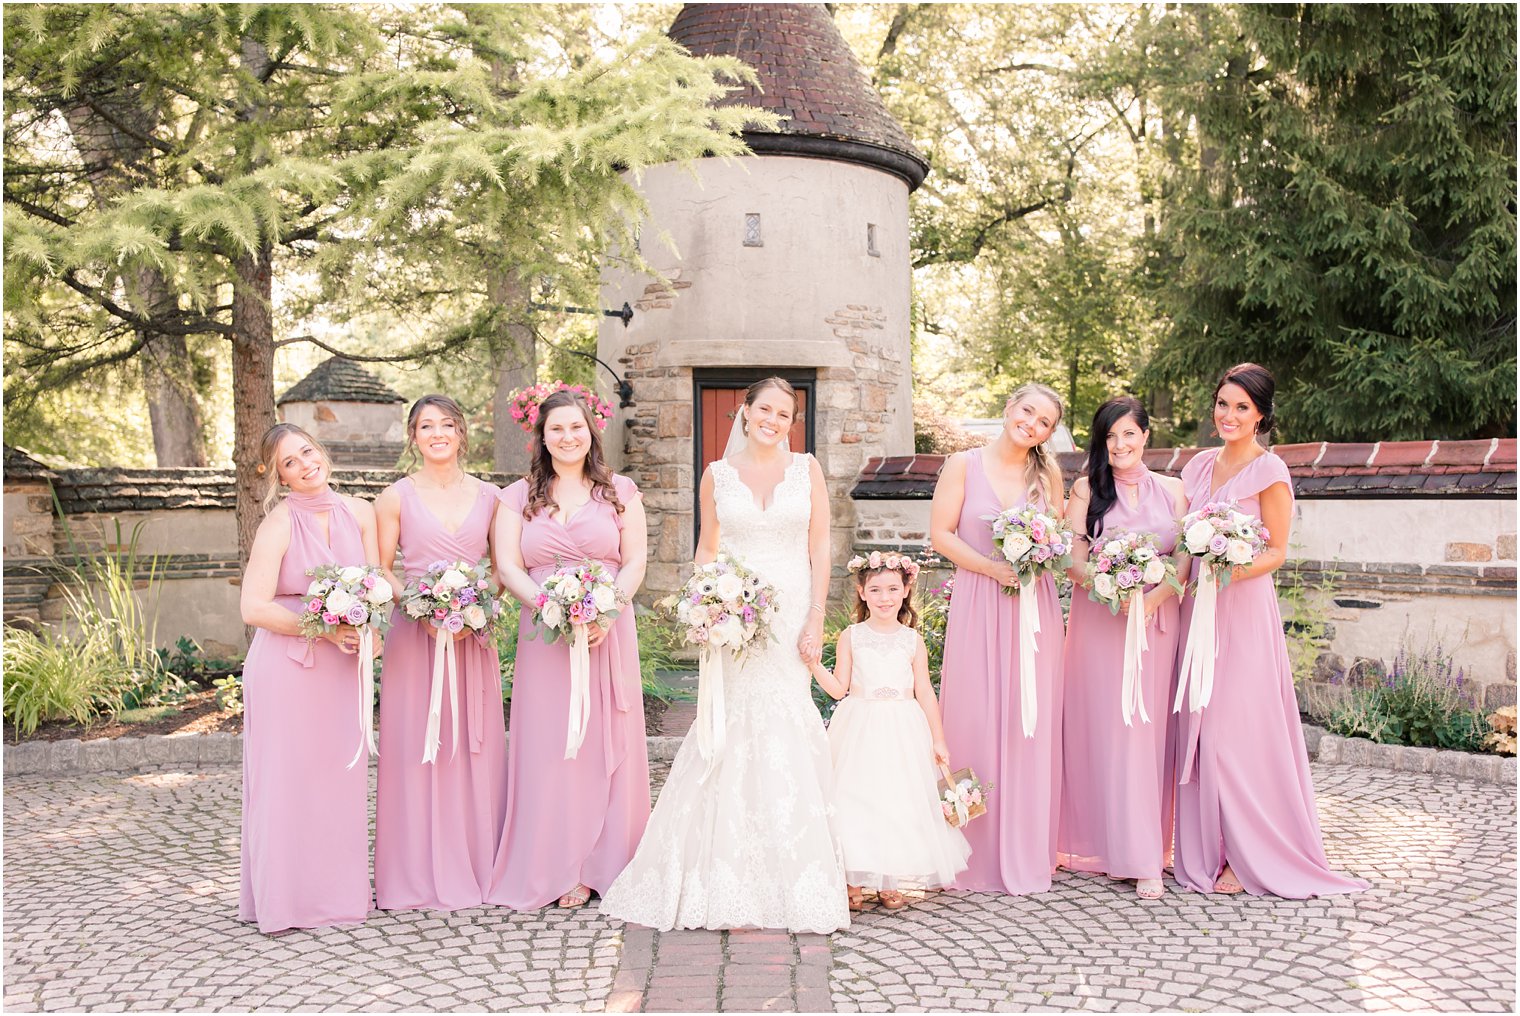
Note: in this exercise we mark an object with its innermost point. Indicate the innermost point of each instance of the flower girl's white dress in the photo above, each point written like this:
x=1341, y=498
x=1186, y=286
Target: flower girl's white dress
x=886, y=796
x=751, y=845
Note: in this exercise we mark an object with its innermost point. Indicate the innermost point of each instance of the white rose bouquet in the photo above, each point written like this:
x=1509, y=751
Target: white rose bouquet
x=1123, y=564
x=361, y=596
x=452, y=596
x=579, y=593
x=723, y=605
x=1035, y=544
x=1219, y=537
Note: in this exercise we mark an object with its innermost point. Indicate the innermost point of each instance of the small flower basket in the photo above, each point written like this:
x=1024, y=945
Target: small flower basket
x=962, y=797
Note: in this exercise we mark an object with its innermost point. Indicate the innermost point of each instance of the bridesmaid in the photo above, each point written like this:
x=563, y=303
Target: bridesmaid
x=1013, y=848
x=1115, y=786
x=437, y=824
x=1245, y=815
x=572, y=824
x=305, y=813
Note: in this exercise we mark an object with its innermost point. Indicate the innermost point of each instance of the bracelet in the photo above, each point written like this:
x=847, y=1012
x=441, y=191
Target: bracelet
x=819, y=607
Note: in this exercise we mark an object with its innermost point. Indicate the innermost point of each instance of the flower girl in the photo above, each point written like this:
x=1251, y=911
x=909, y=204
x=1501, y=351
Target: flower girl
x=886, y=740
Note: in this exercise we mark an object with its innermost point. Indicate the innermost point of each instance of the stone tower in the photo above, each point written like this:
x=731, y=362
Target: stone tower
x=793, y=261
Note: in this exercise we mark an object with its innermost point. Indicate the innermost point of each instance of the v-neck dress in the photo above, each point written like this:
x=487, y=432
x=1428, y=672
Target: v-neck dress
x=1013, y=847
x=577, y=820
x=305, y=845
x=437, y=824
x=1245, y=797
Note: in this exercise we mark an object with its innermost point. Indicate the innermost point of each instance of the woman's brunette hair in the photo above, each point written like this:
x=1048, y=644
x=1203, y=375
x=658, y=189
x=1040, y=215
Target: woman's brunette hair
x=753, y=392
x=1042, y=473
x=450, y=409
x=541, y=468
x=269, y=449
x=907, y=614
x=1259, y=385
x=1100, y=473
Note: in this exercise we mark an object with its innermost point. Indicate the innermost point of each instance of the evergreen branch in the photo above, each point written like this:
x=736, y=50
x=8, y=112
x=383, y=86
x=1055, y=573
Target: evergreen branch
x=446, y=346
x=141, y=322
x=35, y=209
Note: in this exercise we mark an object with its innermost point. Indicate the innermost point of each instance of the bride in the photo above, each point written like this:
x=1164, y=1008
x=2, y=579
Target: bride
x=746, y=842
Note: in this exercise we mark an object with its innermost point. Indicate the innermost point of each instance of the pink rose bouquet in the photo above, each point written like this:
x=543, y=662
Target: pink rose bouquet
x=357, y=595
x=1032, y=541
x=1124, y=563
x=579, y=593
x=453, y=596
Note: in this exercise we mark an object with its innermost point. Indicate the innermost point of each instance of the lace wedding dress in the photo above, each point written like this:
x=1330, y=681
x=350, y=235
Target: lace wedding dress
x=751, y=846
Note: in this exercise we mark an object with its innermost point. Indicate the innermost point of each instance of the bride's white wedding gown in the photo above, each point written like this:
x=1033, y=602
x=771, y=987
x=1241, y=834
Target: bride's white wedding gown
x=752, y=845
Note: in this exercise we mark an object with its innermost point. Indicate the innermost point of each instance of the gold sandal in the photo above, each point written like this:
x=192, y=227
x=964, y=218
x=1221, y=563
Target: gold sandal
x=576, y=898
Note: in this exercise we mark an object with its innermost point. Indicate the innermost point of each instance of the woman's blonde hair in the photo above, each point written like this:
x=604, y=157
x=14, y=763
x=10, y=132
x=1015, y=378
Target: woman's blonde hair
x=269, y=449
x=1042, y=473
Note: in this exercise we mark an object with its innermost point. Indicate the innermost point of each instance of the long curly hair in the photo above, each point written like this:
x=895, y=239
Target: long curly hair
x=907, y=614
x=541, y=468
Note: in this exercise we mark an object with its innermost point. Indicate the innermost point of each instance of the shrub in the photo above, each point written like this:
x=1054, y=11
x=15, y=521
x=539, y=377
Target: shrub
x=52, y=677
x=1423, y=700
x=936, y=434
x=1501, y=741
x=658, y=642
x=1306, y=618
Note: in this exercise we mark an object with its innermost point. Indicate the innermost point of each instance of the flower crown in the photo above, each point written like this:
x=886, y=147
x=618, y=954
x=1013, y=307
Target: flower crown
x=890, y=561
x=525, y=402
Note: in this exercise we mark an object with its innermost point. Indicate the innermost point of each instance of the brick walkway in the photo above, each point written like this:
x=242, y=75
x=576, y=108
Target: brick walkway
x=121, y=893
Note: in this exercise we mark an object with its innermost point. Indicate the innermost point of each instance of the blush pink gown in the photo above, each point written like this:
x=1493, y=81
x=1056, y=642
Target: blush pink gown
x=437, y=824
x=305, y=815
x=1013, y=846
x=1115, y=781
x=1245, y=796
x=572, y=821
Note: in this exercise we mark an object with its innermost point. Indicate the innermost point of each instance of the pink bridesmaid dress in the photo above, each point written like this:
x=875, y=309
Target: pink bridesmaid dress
x=1116, y=798
x=1245, y=796
x=578, y=820
x=437, y=824
x=305, y=814
x=1013, y=846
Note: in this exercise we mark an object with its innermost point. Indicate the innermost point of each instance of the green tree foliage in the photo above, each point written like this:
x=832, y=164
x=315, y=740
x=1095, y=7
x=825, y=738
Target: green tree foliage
x=1346, y=216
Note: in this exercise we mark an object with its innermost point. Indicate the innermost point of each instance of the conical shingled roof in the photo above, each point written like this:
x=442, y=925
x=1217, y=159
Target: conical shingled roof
x=340, y=380
x=809, y=76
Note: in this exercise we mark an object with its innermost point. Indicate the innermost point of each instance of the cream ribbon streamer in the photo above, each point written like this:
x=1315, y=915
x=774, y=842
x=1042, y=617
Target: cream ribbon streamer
x=366, y=695
x=1131, y=695
x=1196, y=675
x=1029, y=627
x=443, y=662
x=710, y=719
x=580, y=691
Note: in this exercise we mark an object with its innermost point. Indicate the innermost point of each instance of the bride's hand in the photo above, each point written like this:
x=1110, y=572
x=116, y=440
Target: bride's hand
x=810, y=642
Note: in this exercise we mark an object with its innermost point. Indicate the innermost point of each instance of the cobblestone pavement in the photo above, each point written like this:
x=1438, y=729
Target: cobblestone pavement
x=121, y=893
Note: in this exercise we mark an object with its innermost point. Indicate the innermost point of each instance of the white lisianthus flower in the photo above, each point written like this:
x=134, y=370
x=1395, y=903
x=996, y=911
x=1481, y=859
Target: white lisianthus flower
x=683, y=611
x=1113, y=548
x=351, y=574
x=453, y=579
x=698, y=615
x=717, y=636
x=1238, y=552
x=1103, y=585
x=733, y=630
x=474, y=615
x=729, y=587
x=604, y=597
x=380, y=592
x=1142, y=554
x=1016, y=546
x=339, y=600
x=1198, y=536
x=1155, y=571
x=570, y=587
x=315, y=589
x=552, y=614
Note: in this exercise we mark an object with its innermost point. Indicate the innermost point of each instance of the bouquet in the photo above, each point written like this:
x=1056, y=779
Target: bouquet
x=723, y=605
x=1219, y=537
x=452, y=596
x=1118, y=570
x=575, y=596
x=1034, y=543
x=357, y=595
x=962, y=797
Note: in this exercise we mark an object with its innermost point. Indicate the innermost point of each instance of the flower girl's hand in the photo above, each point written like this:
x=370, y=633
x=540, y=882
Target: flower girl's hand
x=941, y=754
x=1002, y=573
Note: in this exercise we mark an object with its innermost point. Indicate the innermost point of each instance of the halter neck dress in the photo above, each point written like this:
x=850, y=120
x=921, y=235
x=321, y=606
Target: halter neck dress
x=1245, y=797
x=578, y=820
x=1116, y=783
x=437, y=824
x=305, y=849
x=1013, y=847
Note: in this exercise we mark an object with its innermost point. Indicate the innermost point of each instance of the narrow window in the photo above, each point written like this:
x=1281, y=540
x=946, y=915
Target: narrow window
x=752, y=230
x=871, y=240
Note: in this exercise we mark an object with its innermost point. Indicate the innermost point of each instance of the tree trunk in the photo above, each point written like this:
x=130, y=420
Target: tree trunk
x=514, y=360
x=252, y=385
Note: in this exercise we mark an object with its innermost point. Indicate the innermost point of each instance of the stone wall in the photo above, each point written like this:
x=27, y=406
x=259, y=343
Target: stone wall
x=1415, y=537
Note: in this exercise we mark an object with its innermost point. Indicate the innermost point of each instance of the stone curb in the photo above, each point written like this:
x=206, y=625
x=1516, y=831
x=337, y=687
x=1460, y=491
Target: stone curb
x=1327, y=747
x=109, y=754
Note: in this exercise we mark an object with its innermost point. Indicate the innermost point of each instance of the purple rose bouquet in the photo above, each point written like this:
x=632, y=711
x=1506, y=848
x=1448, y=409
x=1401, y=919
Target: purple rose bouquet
x=453, y=596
